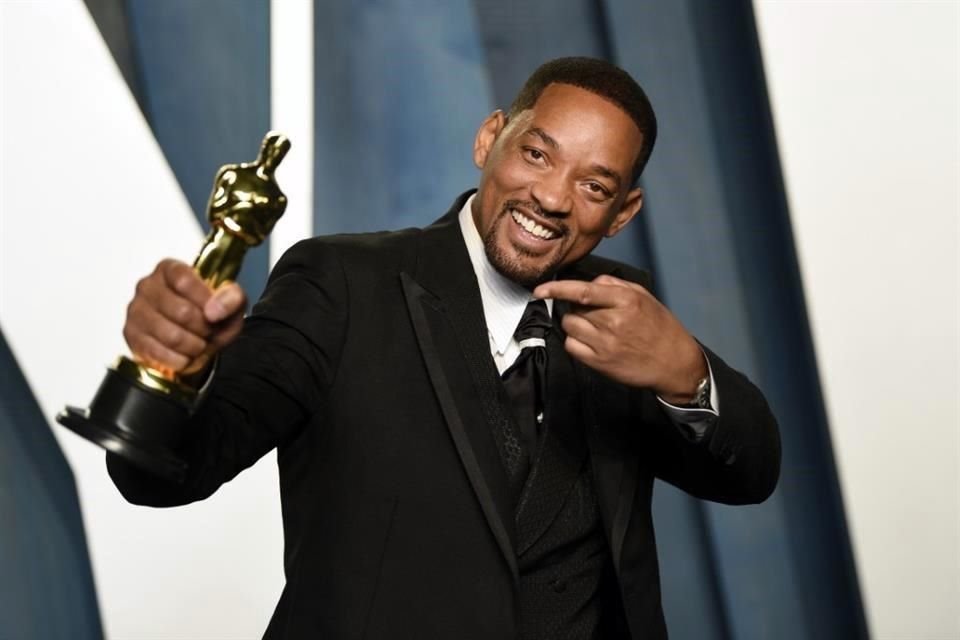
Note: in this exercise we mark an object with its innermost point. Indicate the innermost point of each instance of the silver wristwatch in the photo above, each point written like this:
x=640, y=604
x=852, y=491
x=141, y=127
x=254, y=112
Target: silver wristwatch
x=701, y=397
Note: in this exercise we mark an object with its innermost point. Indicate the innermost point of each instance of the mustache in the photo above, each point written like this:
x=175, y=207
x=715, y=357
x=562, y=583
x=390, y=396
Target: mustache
x=533, y=207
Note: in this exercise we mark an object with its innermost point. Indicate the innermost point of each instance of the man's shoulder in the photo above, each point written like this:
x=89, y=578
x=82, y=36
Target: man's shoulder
x=370, y=253
x=374, y=246
x=382, y=245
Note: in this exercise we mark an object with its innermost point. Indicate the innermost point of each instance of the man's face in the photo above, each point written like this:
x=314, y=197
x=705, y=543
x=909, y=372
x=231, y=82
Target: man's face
x=555, y=181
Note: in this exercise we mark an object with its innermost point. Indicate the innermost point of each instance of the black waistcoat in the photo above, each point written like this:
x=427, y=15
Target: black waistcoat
x=567, y=584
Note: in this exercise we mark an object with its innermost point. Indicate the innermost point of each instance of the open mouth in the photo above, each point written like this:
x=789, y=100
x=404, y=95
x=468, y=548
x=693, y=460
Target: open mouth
x=532, y=227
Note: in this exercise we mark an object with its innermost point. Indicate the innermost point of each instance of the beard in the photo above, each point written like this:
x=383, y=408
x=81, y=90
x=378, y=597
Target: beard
x=510, y=262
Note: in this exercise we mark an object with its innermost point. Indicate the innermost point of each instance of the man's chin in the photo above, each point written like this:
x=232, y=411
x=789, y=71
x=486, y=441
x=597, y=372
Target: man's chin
x=525, y=279
x=522, y=273
x=526, y=270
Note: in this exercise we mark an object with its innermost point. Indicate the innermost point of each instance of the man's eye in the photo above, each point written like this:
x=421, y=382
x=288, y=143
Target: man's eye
x=534, y=154
x=597, y=188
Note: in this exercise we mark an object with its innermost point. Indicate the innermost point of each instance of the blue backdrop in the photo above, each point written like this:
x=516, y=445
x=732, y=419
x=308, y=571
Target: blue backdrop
x=400, y=89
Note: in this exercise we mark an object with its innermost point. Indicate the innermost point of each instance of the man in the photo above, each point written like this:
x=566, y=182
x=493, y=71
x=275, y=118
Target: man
x=445, y=473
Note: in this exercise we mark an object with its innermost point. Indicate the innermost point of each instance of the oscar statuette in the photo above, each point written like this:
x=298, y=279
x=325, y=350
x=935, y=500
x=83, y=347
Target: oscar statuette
x=139, y=412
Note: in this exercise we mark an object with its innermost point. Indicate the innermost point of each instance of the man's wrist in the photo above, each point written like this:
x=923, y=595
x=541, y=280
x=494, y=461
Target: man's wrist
x=691, y=385
x=682, y=399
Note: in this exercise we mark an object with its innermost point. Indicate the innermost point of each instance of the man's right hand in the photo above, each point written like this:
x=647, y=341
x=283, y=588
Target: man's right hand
x=176, y=323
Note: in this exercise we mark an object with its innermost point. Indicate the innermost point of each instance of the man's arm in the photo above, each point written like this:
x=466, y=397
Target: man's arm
x=736, y=460
x=269, y=380
x=619, y=329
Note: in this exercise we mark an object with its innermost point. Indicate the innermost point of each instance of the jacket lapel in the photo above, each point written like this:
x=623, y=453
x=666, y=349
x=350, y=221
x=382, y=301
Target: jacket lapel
x=443, y=299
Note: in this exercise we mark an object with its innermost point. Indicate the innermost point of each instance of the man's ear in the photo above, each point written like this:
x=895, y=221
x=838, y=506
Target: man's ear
x=486, y=136
x=631, y=205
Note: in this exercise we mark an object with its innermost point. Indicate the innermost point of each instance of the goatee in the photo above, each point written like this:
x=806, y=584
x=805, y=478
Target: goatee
x=514, y=267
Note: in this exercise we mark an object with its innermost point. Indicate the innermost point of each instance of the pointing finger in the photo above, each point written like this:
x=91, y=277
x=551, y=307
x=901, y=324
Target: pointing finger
x=619, y=282
x=610, y=280
x=586, y=294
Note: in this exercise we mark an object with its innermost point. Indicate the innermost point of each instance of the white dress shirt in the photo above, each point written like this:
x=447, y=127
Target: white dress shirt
x=504, y=302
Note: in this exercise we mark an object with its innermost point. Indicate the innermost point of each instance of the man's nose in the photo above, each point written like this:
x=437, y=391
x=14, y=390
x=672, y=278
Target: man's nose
x=552, y=193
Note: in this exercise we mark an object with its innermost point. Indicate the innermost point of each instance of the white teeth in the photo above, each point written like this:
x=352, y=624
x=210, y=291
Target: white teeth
x=531, y=226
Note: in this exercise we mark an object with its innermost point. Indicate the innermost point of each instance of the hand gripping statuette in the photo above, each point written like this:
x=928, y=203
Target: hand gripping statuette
x=139, y=413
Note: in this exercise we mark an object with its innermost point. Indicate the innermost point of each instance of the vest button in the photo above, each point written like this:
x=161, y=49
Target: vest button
x=558, y=585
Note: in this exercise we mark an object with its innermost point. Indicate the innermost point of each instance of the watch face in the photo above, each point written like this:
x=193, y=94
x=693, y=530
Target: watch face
x=702, y=398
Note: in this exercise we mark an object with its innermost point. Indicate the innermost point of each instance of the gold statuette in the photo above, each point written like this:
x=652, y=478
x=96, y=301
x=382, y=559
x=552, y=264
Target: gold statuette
x=139, y=411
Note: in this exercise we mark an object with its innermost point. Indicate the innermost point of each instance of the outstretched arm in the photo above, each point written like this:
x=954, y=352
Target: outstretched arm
x=267, y=382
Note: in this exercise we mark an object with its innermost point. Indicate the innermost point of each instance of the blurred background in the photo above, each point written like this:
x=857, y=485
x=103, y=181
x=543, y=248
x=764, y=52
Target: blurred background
x=801, y=219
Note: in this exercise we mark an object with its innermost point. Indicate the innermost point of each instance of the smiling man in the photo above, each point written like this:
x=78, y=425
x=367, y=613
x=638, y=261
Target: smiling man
x=469, y=417
x=562, y=169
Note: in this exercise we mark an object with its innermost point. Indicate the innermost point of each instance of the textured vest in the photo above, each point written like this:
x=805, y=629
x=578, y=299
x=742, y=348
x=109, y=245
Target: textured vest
x=567, y=584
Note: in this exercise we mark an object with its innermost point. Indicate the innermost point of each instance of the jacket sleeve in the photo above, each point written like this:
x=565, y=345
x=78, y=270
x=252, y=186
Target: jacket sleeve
x=737, y=461
x=267, y=384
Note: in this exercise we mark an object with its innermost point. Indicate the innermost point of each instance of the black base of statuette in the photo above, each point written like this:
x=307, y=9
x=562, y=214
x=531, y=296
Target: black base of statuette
x=137, y=424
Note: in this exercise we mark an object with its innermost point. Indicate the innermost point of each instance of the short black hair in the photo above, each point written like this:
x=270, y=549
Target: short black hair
x=602, y=78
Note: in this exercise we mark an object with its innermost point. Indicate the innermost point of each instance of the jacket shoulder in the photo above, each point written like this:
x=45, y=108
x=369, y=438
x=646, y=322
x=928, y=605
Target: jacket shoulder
x=379, y=243
x=592, y=266
x=354, y=252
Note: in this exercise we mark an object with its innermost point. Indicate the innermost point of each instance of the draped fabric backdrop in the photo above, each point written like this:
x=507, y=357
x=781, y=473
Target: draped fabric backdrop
x=400, y=88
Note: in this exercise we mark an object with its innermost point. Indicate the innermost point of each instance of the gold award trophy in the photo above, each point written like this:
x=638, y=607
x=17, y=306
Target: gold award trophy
x=139, y=412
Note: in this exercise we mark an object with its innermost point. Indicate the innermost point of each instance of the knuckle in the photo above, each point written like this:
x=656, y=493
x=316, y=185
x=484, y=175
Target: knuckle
x=182, y=313
x=129, y=336
x=172, y=337
x=142, y=286
x=584, y=297
x=175, y=361
x=169, y=270
x=602, y=357
x=182, y=280
x=149, y=353
x=194, y=347
x=169, y=265
x=167, y=358
x=132, y=310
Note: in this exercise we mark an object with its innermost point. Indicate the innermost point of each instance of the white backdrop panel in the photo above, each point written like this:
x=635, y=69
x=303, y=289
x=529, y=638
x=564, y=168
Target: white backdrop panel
x=87, y=205
x=865, y=100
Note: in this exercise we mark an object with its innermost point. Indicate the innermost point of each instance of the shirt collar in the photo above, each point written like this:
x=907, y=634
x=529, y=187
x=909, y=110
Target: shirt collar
x=503, y=299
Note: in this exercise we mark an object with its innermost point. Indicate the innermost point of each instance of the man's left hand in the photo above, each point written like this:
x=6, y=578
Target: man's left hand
x=622, y=331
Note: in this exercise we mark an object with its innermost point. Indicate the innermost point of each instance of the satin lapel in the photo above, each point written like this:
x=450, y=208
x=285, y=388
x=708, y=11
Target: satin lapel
x=561, y=455
x=447, y=315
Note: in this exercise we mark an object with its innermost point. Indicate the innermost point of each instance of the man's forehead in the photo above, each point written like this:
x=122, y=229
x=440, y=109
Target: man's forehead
x=570, y=101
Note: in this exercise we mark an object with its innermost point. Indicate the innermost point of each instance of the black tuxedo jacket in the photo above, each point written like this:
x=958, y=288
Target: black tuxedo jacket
x=366, y=363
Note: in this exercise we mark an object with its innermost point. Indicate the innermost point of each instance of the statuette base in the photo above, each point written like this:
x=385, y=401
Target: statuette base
x=138, y=424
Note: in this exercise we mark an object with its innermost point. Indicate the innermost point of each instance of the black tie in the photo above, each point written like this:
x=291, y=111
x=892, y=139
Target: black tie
x=525, y=380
